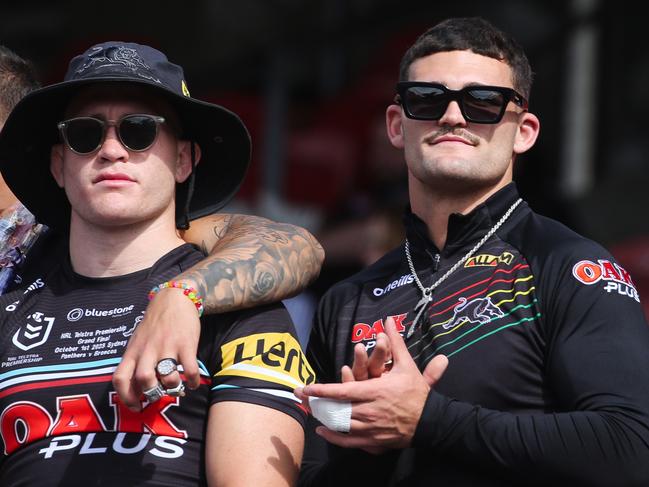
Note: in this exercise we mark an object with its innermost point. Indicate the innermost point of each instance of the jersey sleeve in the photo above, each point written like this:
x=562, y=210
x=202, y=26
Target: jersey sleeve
x=597, y=374
x=259, y=360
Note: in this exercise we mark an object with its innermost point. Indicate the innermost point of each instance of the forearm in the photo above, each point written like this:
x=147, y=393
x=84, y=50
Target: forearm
x=592, y=448
x=252, y=261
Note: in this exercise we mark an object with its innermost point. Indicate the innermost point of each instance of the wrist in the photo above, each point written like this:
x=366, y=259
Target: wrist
x=187, y=290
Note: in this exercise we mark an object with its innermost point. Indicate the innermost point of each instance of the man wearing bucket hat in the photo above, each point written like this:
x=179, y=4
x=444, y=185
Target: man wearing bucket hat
x=252, y=261
x=131, y=157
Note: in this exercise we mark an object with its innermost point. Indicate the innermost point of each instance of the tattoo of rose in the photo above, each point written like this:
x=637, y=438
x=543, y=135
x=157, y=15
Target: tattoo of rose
x=265, y=281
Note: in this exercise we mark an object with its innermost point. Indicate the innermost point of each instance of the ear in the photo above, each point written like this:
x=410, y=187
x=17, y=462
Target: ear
x=56, y=164
x=529, y=127
x=394, y=125
x=184, y=165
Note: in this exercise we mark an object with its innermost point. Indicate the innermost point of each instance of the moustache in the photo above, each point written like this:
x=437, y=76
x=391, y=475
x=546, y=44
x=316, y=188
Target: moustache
x=457, y=132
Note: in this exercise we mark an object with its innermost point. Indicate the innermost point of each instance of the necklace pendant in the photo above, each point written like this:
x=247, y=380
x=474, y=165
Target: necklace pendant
x=425, y=299
x=422, y=305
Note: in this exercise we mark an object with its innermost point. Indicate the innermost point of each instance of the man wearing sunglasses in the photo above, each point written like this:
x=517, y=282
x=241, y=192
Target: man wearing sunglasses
x=132, y=157
x=248, y=264
x=504, y=349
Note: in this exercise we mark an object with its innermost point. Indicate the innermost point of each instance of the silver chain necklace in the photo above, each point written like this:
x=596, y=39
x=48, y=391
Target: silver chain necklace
x=427, y=292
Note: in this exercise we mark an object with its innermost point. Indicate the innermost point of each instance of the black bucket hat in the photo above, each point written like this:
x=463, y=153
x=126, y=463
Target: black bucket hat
x=31, y=130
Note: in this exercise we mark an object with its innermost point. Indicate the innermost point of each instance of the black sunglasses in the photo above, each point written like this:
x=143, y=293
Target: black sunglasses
x=84, y=135
x=479, y=104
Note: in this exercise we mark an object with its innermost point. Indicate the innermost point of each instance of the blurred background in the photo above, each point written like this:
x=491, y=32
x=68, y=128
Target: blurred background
x=311, y=79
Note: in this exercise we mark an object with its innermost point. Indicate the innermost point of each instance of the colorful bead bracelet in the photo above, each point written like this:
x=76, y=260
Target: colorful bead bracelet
x=188, y=291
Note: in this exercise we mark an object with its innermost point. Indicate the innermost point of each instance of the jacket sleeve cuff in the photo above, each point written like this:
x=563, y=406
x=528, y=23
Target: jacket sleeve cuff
x=428, y=427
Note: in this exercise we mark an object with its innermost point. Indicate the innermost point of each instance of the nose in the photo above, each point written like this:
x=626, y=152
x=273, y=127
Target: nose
x=112, y=149
x=452, y=115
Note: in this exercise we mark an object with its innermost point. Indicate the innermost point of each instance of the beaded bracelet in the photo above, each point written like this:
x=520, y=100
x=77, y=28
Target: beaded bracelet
x=188, y=291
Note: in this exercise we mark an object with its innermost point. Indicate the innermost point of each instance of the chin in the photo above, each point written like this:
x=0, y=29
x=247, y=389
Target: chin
x=109, y=217
x=463, y=183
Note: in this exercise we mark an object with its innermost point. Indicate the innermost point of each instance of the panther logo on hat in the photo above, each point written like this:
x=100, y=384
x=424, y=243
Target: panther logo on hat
x=113, y=56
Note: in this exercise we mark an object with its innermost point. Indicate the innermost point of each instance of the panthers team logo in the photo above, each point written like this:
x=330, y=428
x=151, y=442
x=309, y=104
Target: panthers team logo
x=35, y=332
x=478, y=310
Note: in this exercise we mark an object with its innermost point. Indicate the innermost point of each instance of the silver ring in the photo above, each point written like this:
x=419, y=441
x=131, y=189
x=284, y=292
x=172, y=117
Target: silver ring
x=166, y=366
x=155, y=393
x=178, y=391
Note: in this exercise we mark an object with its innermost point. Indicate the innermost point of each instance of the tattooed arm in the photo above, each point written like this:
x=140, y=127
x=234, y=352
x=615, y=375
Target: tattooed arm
x=251, y=261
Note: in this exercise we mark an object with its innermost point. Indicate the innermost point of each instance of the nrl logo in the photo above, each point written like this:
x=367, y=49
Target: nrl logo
x=34, y=333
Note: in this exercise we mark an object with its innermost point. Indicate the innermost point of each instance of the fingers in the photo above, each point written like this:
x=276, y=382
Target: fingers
x=300, y=395
x=124, y=385
x=170, y=380
x=189, y=364
x=346, y=374
x=380, y=355
x=400, y=353
x=145, y=377
x=170, y=329
x=365, y=367
x=435, y=369
x=349, y=391
x=359, y=367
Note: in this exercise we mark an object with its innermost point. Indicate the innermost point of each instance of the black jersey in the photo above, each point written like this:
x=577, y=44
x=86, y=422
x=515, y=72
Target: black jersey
x=548, y=347
x=62, y=423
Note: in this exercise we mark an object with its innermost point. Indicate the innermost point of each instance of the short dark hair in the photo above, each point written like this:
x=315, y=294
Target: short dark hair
x=471, y=34
x=17, y=78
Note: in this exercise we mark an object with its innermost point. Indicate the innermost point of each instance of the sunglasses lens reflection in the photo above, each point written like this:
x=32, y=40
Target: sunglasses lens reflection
x=427, y=103
x=85, y=135
x=431, y=102
x=138, y=132
x=483, y=105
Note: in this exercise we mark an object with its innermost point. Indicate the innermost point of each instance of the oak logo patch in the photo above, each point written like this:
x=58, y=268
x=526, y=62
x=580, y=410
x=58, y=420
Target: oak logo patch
x=614, y=276
x=25, y=422
x=367, y=332
x=271, y=357
x=488, y=260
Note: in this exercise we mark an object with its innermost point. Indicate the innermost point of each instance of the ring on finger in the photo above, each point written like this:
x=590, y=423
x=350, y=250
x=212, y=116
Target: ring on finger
x=178, y=391
x=155, y=393
x=166, y=366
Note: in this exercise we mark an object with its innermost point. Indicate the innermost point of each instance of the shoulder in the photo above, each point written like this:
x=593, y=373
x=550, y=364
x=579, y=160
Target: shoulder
x=349, y=288
x=271, y=318
x=571, y=270
x=542, y=240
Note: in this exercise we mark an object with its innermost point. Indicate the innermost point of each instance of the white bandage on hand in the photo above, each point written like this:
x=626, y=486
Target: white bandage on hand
x=335, y=415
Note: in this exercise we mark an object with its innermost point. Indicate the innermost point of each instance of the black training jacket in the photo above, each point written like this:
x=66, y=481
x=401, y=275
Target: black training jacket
x=548, y=347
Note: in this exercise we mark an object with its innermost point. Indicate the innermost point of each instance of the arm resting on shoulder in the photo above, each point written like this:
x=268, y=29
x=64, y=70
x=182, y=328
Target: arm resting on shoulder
x=251, y=261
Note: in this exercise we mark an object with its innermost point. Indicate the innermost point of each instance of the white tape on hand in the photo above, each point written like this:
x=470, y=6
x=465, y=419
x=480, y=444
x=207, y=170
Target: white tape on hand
x=335, y=415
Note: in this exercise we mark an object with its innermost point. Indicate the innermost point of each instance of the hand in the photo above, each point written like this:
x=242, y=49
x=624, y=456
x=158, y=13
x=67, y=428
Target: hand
x=170, y=329
x=385, y=409
x=365, y=367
